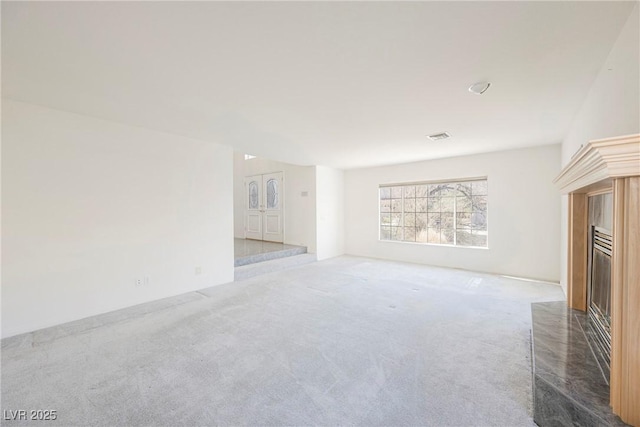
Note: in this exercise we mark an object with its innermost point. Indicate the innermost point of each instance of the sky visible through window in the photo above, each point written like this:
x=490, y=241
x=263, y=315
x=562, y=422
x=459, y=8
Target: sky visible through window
x=445, y=213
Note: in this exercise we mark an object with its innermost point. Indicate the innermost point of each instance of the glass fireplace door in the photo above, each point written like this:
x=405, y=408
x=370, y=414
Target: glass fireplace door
x=599, y=296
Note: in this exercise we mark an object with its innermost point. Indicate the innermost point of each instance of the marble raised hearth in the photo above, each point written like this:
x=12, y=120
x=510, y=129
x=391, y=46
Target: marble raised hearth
x=569, y=388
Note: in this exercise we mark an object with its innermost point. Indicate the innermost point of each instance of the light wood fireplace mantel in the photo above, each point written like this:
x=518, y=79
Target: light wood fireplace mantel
x=596, y=164
x=610, y=164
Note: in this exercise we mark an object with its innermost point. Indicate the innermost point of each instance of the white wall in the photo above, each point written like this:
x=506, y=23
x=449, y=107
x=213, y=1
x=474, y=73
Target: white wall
x=299, y=209
x=611, y=108
x=524, y=210
x=88, y=205
x=330, y=212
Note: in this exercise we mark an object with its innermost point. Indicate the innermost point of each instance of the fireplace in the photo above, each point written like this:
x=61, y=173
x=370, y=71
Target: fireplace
x=603, y=273
x=599, y=294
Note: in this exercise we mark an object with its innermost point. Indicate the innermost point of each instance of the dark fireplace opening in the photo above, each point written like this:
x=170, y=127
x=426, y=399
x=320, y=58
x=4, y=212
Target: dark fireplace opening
x=599, y=294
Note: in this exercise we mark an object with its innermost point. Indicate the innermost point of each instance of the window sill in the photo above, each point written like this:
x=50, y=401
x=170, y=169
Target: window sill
x=433, y=244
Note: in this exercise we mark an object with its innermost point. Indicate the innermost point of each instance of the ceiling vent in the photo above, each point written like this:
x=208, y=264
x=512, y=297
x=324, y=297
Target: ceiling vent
x=439, y=136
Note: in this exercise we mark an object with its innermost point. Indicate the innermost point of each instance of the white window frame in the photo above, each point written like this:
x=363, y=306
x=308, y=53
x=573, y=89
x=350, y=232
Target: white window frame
x=455, y=216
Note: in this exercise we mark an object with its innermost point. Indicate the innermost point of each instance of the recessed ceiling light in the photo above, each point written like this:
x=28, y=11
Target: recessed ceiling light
x=438, y=136
x=479, y=88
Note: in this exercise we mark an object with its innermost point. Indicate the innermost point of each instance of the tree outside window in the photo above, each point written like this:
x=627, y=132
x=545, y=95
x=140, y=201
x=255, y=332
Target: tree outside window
x=444, y=213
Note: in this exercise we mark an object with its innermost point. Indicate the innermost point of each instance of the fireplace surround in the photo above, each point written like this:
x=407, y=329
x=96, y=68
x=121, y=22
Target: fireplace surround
x=609, y=165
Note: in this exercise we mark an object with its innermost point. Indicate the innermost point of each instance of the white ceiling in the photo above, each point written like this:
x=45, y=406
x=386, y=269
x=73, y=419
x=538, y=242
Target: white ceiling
x=341, y=84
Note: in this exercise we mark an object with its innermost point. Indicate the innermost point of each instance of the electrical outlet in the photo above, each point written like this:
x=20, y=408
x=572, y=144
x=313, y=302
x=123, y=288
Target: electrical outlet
x=138, y=281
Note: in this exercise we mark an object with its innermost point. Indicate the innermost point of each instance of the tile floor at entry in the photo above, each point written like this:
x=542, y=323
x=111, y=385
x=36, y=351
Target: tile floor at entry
x=247, y=251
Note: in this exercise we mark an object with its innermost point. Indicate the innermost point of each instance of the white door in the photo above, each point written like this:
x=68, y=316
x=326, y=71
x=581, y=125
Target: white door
x=272, y=222
x=265, y=207
x=253, y=207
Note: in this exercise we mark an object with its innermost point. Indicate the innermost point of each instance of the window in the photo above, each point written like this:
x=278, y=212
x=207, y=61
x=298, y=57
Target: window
x=443, y=213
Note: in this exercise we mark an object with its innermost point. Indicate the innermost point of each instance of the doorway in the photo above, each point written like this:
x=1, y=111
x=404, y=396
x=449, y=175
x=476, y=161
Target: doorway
x=264, y=207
